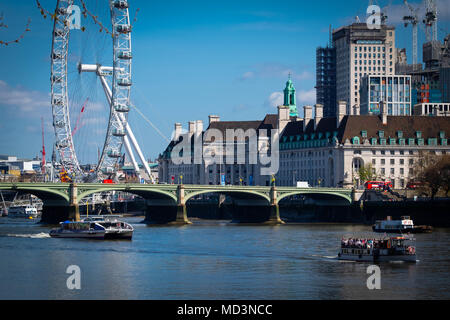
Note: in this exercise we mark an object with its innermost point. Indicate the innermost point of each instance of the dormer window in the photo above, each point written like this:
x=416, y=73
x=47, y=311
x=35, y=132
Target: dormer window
x=400, y=134
x=442, y=134
x=364, y=134
x=381, y=133
x=418, y=134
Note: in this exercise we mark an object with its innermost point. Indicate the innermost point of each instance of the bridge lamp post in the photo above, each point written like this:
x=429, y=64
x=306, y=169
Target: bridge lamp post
x=273, y=180
x=319, y=181
x=181, y=179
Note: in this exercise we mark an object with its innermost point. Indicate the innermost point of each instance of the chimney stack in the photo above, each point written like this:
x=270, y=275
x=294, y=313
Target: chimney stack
x=356, y=111
x=340, y=112
x=177, y=131
x=283, y=117
x=307, y=112
x=198, y=126
x=191, y=127
x=213, y=118
x=383, y=112
x=318, y=114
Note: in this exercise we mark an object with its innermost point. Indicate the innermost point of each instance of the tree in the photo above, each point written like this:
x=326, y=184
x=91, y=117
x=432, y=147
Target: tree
x=366, y=173
x=434, y=172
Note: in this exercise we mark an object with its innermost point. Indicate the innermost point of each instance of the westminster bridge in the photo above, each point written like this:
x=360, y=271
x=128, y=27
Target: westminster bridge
x=166, y=203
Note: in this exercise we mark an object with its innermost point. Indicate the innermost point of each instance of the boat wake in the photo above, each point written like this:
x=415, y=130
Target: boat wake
x=326, y=257
x=41, y=235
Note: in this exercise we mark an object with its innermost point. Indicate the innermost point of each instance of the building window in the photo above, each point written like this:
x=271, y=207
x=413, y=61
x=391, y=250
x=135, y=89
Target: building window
x=374, y=161
x=418, y=134
x=402, y=161
x=383, y=172
x=411, y=162
x=400, y=134
x=402, y=171
x=381, y=133
x=383, y=161
x=392, y=161
x=392, y=171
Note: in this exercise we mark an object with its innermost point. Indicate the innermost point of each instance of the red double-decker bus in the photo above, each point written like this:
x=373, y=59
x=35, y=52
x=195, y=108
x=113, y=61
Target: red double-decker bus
x=378, y=185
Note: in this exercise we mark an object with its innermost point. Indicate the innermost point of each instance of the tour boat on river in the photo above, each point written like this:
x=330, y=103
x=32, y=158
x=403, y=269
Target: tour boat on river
x=114, y=228
x=78, y=229
x=377, y=250
x=97, y=227
x=404, y=225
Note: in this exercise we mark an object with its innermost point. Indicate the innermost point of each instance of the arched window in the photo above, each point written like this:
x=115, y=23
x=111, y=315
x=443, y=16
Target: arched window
x=355, y=140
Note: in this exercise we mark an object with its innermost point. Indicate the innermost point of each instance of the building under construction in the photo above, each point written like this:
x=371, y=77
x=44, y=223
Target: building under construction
x=326, y=79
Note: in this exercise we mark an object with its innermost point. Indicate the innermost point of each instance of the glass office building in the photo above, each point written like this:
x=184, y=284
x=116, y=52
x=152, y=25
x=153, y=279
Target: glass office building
x=394, y=90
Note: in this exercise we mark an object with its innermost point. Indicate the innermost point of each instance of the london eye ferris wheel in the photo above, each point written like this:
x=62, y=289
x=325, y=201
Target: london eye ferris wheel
x=90, y=87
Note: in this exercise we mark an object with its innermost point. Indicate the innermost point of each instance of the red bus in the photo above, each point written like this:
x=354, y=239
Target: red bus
x=378, y=185
x=414, y=185
x=108, y=181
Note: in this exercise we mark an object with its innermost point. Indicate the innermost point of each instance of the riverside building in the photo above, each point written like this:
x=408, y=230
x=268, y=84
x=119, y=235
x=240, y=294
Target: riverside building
x=360, y=51
x=330, y=151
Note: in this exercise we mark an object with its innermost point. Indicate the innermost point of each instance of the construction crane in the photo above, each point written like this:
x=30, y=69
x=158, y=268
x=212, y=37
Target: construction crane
x=79, y=117
x=430, y=20
x=413, y=20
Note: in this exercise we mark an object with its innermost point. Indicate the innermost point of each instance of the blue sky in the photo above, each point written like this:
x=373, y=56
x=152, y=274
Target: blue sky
x=191, y=59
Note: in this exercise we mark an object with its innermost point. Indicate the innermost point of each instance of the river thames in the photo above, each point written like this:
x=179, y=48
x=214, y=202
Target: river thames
x=213, y=260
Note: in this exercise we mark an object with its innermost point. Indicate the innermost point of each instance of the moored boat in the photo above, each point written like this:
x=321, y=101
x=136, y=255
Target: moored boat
x=377, y=250
x=24, y=211
x=404, y=225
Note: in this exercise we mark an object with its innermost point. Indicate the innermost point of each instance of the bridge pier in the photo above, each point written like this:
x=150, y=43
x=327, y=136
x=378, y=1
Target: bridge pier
x=274, y=210
x=74, y=209
x=181, y=207
x=167, y=211
x=181, y=215
x=274, y=215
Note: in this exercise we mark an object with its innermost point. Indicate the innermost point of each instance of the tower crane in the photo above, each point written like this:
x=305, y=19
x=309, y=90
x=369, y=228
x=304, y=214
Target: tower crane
x=413, y=20
x=43, y=148
x=430, y=20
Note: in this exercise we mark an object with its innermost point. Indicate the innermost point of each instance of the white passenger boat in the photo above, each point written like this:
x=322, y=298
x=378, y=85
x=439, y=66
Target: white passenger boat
x=97, y=227
x=377, y=250
x=114, y=228
x=404, y=225
x=78, y=229
x=24, y=211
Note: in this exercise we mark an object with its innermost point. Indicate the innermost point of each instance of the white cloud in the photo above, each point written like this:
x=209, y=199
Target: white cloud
x=247, y=75
x=271, y=70
x=306, y=97
x=275, y=99
x=25, y=101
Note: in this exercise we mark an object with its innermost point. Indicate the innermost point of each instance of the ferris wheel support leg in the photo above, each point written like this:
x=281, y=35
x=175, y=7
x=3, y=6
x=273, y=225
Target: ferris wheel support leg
x=138, y=150
x=129, y=134
x=130, y=153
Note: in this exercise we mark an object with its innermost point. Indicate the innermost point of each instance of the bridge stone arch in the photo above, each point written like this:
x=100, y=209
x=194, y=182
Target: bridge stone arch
x=339, y=195
x=145, y=191
x=190, y=194
x=46, y=194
